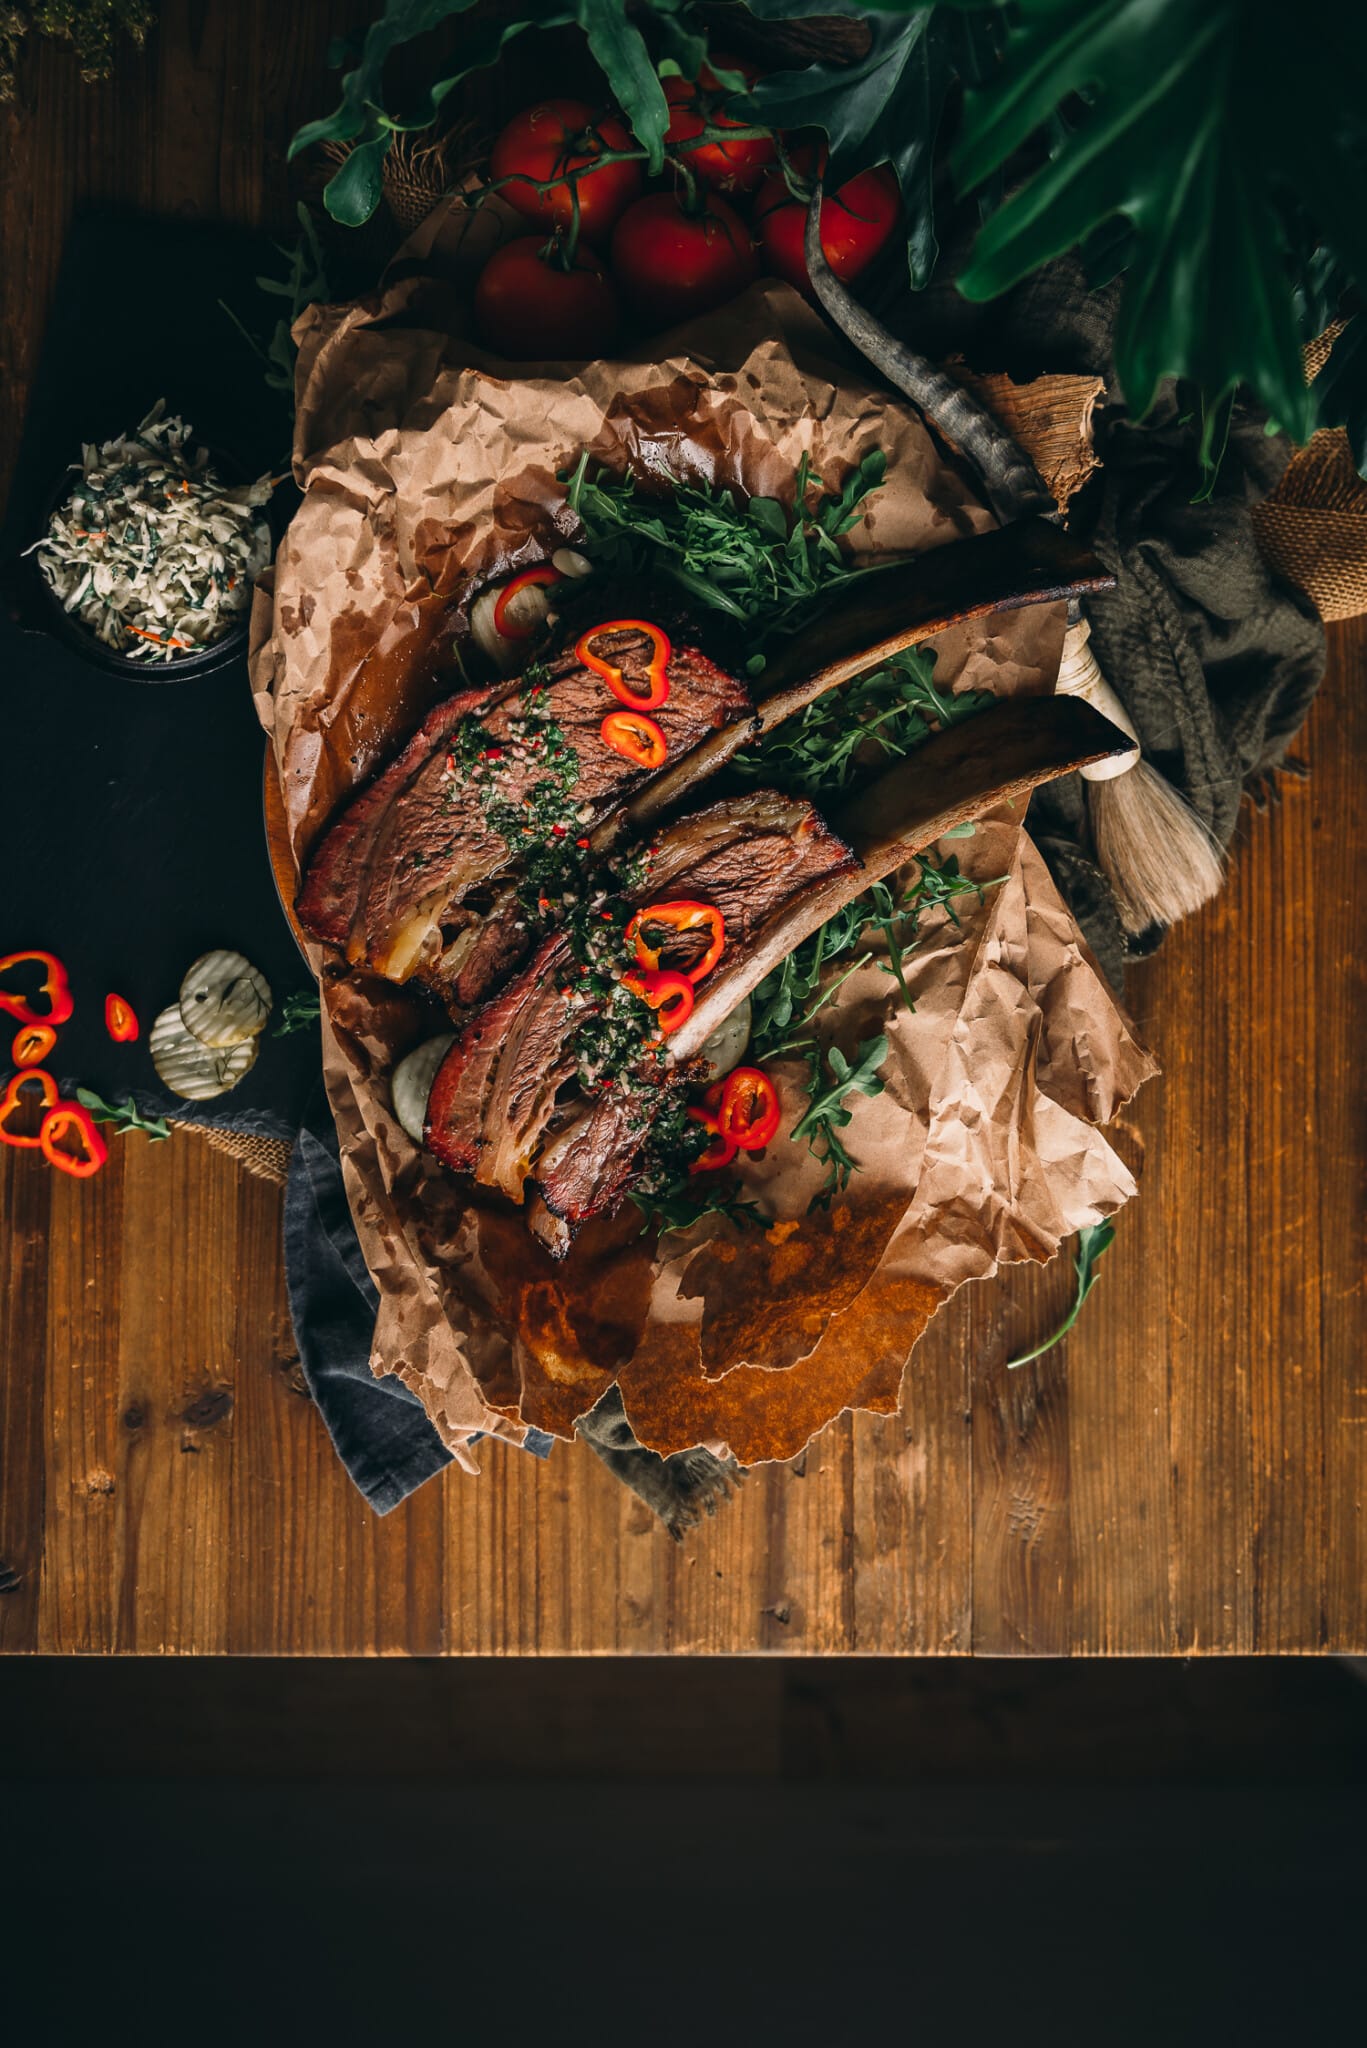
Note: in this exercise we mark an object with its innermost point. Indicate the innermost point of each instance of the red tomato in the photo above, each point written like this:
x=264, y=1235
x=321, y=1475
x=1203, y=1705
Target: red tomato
x=672, y=264
x=855, y=223
x=529, y=309
x=729, y=166
x=557, y=136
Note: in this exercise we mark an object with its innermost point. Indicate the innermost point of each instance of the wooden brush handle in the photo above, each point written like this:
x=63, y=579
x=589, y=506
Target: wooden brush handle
x=1079, y=676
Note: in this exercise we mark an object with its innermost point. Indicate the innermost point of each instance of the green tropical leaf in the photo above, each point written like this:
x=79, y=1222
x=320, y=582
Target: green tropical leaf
x=883, y=108
x=1194, y=123
x=354, y=193
x=620, y=50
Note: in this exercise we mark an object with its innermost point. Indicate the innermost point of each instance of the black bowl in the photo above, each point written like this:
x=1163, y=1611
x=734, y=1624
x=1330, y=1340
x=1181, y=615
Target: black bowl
x=66, y=627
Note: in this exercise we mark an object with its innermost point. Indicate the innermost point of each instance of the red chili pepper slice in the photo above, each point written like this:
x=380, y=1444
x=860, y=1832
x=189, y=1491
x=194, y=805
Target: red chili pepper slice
x=12, y=1099
x=637, y=738
x=32, y=1044
x=749, y=1110
x=120, y=1020
x=669, y=995
x=680, y=918
x=54, y=986
x=720, y=1151
x=656, y=692
x=544, y=573
x=69, y=1119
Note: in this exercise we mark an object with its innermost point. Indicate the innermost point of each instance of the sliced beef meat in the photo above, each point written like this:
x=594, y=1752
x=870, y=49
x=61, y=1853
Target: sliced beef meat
x=505, y=1081
x=334, y=881
x=395, y=874
x=586, y=1169
x=497, y=1087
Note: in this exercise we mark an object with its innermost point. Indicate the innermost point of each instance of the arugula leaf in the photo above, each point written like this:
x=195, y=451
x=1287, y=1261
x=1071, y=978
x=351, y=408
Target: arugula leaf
x=762, y=565
x=299, y=1011
x=1191, y=123
x=125, y=1116
x=841, y=733
x=826, y=1114
x=1092, y=1241
x=883, y=108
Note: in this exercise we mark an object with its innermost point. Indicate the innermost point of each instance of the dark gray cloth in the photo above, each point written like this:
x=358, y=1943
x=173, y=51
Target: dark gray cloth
x=679, y=1490
x=379, y=1430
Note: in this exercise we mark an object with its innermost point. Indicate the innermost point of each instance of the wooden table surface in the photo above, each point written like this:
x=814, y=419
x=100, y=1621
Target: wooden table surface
x=1185, y=1475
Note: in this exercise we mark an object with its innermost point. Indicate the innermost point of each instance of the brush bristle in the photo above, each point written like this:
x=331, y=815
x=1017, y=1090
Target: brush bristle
x=1159, y=858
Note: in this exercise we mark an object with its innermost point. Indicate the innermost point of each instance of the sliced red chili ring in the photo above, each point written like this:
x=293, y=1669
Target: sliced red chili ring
x=656, y=691
x=66, y=1120
x=54, y=986
x=32, y=1044
x=720, y=1150
x=669, y=995
x=749, y=1112
x=13, y=1099
x=543, y=573
x=681, y=918
x=635, y=737
x=120, y=1020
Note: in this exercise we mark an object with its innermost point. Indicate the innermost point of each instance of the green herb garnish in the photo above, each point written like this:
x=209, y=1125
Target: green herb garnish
x=300, y=1010
x=886, y=713
x=304, y=284
x=125, y=1116
x=765, y=567
x=685, y=1203
x=1092, y=1241
x=826, y=1114
x=792, y=994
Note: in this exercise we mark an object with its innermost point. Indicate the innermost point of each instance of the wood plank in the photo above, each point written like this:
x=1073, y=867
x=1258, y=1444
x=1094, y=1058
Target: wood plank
x=1338, y=918
x=80, y=1602
x=1022, y=1565
x=173, y=1391
x=1118, y=1366
x=25, y=1196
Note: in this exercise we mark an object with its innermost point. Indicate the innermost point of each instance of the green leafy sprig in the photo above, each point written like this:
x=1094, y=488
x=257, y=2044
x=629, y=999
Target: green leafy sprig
x=763, y=566
x=305, y=283
x=834, y=1079
x=886, y=713
x=125, y=1116
x=1092, y=1241
x=686, y=1202
x=298, y=1012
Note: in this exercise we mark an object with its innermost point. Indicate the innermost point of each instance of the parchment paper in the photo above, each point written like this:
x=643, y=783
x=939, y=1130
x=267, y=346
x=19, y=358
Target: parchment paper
x=425, y=464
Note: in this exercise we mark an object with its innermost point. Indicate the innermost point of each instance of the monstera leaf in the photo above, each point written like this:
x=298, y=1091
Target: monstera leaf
x=615, y=40
x=884, y=107
x=1196, y=121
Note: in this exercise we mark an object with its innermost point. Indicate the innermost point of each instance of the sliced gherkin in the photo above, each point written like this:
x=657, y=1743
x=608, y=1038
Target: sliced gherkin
x=224, y=1000
x=192, y=1069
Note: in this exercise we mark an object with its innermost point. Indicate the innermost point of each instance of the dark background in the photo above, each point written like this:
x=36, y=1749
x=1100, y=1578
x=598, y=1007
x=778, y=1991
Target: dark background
x=832, y=1851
